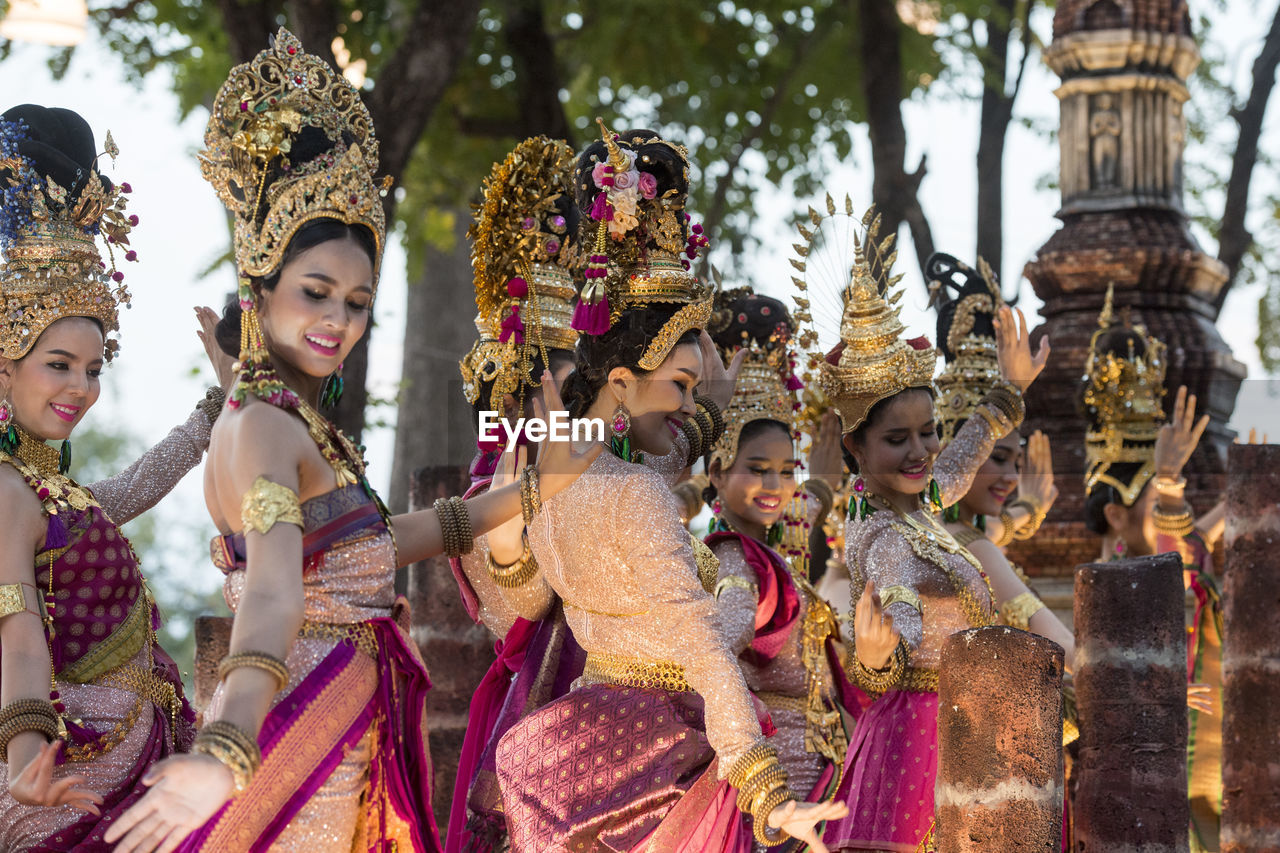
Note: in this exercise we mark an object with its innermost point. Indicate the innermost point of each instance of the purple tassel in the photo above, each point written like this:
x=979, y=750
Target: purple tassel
x=794, y=383
x=57, y=536
x=512, y=325
x=600, y=209
x=591, y=319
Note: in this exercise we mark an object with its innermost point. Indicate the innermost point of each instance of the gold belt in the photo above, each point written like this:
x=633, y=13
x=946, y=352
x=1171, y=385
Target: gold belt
x=918, y=680
x=359, y=634
x=630, y=672
x=149, y=687
x=783, y=702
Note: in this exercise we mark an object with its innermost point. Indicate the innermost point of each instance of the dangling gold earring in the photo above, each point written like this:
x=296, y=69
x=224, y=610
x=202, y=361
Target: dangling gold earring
x=620, y=441
x=8, y=433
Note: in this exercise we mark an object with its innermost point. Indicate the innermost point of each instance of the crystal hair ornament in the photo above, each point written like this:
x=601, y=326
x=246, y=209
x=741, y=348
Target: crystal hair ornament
x=975, y=367
x=524, y=266
x=49, y=236
x=639, y=238
x=251, y=157
x=1123, y=400
x=870, y=361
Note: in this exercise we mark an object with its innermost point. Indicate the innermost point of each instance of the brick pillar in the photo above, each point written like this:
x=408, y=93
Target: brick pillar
x=457, y=651
x=999, y=742
x=1131, y=689
x=1251, y=653
x=213, y=639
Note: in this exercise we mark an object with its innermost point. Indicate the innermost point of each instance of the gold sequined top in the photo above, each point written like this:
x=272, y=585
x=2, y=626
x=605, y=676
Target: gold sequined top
x=612, y=547
x=876, y=549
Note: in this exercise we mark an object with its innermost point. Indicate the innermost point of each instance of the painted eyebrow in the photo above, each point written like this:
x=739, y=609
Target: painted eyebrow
x=64, y=354
x=691, y=374
x=319, y=276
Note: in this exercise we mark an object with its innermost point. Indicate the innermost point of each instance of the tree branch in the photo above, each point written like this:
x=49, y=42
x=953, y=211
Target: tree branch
x=1234, y=240
x=248, y=26
x=315, y=23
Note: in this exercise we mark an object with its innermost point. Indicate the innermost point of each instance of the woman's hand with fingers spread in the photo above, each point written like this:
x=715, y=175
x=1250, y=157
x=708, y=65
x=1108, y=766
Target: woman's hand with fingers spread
x=1035, y=483
x=800, y=820
x=718, y=381
x=1179, y=436
x=874, y=637
x=1013, y=348
x=223, y=364
x=35, y=785
x=186, y=790
x=826, y=463
x=558, y=463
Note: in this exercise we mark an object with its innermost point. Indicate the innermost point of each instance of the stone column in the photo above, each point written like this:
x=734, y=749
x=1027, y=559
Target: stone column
x=213, y=638
x=1000, y=781
x=1251, y=653
x=457, y=651
x=1131, y=691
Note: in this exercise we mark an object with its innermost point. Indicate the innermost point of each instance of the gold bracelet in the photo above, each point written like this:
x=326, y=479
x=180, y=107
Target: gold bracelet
x=530, y=496
x=212, y=403
x=773, y=776
x=518, y=573
x=750, y=761
x=26, y=722
x=235, y=748
x=1007, y=529
x=875, y=682
x=256, y=660
x=444, y=515
x=467, y=541
x=27, y=706
x=737, y=582
x=760, y=818
x=1035, y=520
x=1169, y=486
x=992, y=420
x=711, y=409
x=697, y=448
x=1175, y=524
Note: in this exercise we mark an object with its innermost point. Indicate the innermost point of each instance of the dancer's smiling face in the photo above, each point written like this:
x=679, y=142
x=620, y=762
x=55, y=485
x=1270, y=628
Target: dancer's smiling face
x=54, y=384
x=755, y=490
x=896, y=446
x=996, y=479
x=320, y=306
x=661, y=400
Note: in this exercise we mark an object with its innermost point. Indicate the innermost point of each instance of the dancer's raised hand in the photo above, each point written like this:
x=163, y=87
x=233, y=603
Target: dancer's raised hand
x=718, y=381
x=874, y=637
x=1179, y=436
x=35, y=785
x=800, y=820
x=1013, y=348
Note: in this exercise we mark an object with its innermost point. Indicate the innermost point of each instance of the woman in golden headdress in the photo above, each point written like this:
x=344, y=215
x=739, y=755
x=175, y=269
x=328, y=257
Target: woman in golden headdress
x=783, y=633
x=91, y=679
x=316, y=737
x=1135, y=501
x=525, y=264
x=902, y=559
x=967, y=340
x=647, y=749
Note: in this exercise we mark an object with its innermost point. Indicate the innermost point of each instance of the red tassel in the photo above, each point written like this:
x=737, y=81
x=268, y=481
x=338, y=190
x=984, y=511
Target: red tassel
x=600, y=209
x=794, y=383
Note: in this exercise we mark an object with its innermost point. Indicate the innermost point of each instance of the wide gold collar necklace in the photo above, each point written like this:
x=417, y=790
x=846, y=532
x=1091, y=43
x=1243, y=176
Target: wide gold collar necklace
x=37, y=455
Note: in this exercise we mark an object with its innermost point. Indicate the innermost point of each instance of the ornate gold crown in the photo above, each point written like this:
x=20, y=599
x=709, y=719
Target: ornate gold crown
x=524, y=269
x=639, y=236
x=975, y=368
x=1123, y=398
x=52, y=268
x=256, y=120
x=872, y=361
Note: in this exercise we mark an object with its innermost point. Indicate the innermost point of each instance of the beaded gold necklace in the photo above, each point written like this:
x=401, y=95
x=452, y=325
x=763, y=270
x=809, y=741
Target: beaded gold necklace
x=340, y=452
x=42, y=466
x=929, y=539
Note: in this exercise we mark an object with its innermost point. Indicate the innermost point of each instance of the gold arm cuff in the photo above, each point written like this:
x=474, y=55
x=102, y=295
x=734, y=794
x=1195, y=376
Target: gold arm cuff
x=900, y=595
x=267, y=504
x=631, y=672
x=1017, y=611
x=256, y=660
x=11, y=599
x=737, y=583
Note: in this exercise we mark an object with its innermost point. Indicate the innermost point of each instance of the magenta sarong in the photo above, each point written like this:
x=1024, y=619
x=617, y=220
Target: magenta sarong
x=617, y=769
x=889, y=775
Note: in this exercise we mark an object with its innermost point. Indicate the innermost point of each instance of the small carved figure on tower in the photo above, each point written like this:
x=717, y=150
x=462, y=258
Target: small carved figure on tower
x=1104, y=142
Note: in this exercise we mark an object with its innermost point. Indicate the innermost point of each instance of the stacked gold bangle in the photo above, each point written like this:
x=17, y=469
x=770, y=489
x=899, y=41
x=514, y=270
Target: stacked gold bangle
x=697, y=445
x=1008, y=527
x=235, y=748
x=1173, y=524
x=874, y=682
x=211, y=405
x=1169, y=486
x=761, y=781
x=1037, y=516
x=530, y=497
x=26, y=715
x=518, y=573
x=1007, y=399
x=256, y=660
x=455, y=525
x=709, y=418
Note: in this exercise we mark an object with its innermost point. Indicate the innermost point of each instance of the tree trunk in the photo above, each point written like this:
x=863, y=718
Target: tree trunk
x=434, y=424
x=1234, y=240
x=993, y=128
x=894, y=191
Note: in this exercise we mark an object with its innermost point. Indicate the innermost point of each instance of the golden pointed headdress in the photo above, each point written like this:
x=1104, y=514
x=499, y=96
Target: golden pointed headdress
x=53, y=204
x=765, y=388
x=524, y=269
x=288, y=142
x=1123, y=399
x=872, y=362
x=634, y=194
x=974, y=368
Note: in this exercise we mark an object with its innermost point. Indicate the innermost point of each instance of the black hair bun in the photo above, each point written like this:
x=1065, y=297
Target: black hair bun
x=58, y=145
